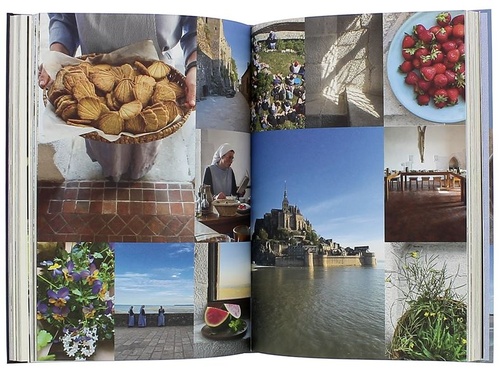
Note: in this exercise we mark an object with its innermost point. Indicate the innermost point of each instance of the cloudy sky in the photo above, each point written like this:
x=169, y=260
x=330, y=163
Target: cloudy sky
x=154, y=273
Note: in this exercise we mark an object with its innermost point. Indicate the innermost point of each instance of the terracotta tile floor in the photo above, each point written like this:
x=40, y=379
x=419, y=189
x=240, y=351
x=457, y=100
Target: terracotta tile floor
x=103, y=211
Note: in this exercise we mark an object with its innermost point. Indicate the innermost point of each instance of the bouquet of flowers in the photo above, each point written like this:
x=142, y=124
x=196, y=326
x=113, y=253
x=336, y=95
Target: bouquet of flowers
x=74, y=298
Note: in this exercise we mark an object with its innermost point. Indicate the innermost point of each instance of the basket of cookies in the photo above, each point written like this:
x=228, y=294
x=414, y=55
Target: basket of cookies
x=120, y=102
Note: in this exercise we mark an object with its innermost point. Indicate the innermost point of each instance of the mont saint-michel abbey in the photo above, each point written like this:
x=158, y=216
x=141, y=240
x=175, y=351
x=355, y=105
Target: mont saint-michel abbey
x=287, y=218
x=284, y=237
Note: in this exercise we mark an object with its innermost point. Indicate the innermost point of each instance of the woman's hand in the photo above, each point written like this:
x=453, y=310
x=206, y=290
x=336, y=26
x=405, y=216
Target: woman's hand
x=44, y=80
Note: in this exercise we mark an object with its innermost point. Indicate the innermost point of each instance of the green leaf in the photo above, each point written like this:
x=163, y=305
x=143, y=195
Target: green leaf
x=43, y=339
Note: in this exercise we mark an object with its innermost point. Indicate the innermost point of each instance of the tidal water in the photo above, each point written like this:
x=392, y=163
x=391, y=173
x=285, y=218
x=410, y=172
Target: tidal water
x=321, y=312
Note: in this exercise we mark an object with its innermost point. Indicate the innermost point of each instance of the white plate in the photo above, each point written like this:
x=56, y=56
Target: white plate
x=403, y=92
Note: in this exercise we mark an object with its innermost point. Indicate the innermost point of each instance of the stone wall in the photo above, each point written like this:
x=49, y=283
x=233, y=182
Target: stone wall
x=179, y=319
x=344, y=70
x=312, y=260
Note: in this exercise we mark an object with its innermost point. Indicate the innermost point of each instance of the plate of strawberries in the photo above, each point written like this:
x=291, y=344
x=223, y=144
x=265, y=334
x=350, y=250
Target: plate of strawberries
x=426, y=66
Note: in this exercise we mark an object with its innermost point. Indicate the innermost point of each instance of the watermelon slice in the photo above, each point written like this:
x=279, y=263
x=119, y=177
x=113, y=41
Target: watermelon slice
x=234, y=309
x=214, y=317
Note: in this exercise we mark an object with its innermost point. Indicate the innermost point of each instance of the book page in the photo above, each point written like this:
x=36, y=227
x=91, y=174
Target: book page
x=127, y=269
x=360, y=210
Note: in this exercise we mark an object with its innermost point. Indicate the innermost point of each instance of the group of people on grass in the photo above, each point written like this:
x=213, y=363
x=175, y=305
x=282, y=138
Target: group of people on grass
x=283, y=100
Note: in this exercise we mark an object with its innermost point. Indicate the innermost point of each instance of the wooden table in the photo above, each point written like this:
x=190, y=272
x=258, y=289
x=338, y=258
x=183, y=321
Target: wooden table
x=406, y=175
x=448, y=176
x=223, y=224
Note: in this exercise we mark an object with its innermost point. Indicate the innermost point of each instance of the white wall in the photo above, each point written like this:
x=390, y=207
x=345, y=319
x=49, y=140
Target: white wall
x=441, y=143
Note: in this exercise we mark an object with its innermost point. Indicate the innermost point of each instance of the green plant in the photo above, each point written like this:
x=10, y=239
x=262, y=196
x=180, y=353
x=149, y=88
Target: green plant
x=433, y=323
x=74, y=298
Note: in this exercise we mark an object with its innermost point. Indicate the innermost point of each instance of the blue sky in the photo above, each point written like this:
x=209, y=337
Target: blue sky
x=238, y=37
x=334, y=175
x=154, y=273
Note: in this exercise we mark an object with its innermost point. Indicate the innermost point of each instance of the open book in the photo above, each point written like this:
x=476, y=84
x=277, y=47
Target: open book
x=362, y=232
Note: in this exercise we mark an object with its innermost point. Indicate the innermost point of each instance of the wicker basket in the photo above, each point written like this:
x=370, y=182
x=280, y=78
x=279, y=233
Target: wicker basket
x=127, y=138
x=226, y=208
x=402, y=328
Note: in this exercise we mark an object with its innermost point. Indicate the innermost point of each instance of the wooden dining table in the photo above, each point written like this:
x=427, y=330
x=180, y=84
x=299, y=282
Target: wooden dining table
x=447, y=175
x=224, y=224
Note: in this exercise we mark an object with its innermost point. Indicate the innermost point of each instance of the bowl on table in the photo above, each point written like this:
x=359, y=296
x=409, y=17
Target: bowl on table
x=226, y=207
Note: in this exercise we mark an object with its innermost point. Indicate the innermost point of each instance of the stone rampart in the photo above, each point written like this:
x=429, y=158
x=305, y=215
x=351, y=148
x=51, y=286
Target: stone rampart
x=174, y=319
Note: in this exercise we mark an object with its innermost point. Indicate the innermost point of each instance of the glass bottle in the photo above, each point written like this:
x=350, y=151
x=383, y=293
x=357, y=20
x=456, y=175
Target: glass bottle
x=209, y=196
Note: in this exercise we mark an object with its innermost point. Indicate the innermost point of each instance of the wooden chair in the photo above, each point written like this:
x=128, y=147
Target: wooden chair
x=426, y=179
x=413, y=179
x=437, y=182
x=395, y=183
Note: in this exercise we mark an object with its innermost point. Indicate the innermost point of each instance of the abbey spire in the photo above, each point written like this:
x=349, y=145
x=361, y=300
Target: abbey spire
x=284, y=203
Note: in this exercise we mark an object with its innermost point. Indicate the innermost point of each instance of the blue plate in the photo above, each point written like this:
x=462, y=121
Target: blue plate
x=403, y=92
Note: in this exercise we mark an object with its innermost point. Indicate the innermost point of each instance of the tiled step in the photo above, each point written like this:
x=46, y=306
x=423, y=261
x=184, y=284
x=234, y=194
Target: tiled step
x=102, y=211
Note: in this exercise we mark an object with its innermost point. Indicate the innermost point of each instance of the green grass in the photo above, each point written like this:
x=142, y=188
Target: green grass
x=279, y=62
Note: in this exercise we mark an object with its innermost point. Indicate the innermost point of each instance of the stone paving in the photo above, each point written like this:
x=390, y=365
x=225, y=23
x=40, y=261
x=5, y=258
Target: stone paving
x=217, y=112
x=154, y=343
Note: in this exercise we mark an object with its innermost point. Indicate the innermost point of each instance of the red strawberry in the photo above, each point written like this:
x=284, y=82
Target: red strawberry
x=428, y=73
x=461, y=49
x=453, y=55
x=425, y=60
x=408, y=41
x=440, y=67
x=411, y=78
x=461, y=90
x=444, y=33
x=406, y=67
x=423, y=34
x=408, y=54
x=440, y=98
x=422, y=86
x=453, y=94
x=416, y=63
x=450, y=75
x=440, y=80
x=434, y=29
x=419, y=28
x=458, y=31
x=443, y=18
x=437, y=55
x=422, y=51
x=423, y=99
x=460, y=19
x=448, y=45
x=459, y=67
x=449, y=65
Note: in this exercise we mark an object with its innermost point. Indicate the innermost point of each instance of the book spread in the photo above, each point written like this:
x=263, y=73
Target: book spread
x=196, y=187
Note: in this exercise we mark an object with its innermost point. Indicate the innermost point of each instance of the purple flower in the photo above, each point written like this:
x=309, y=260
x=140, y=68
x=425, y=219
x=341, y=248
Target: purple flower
x=89, y=311
x=109, y=307
x=59, y=313
x=96, y=287
x=70, y=274
x=42, y=310
x=58, y=298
